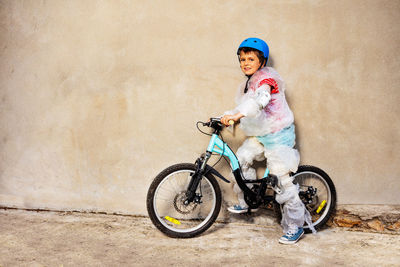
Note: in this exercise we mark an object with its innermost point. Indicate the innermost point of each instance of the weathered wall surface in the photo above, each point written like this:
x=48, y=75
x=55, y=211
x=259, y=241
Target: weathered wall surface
x=98, y=96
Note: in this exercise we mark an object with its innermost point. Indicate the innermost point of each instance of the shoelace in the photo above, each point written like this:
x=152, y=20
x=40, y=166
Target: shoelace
x=291, y=233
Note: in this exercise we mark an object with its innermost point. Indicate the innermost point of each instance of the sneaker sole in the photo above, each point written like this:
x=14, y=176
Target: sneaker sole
x=288, y=242
x=241, y=211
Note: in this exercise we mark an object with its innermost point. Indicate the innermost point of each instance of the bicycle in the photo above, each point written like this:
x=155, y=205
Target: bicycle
x=184, y=200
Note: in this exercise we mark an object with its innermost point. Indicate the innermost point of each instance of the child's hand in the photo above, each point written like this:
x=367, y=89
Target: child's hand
x=226, y=118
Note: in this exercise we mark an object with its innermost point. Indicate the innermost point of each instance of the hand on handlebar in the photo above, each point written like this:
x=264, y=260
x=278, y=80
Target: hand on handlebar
x=228, y=120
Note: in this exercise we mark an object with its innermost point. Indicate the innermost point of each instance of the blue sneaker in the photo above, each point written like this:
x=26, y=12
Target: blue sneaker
x=240, y=209
x=291, y=238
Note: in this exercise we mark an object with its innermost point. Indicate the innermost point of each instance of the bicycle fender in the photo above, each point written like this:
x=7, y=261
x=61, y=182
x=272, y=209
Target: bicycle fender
x=213, y=171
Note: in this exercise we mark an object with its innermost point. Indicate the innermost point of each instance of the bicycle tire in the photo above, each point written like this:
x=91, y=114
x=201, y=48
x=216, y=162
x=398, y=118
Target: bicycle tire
x=171, y=215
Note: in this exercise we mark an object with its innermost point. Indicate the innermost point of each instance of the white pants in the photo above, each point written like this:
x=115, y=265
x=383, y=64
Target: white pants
x=280, y=160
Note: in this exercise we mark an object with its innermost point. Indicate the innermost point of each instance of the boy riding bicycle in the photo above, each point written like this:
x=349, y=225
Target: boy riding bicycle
x=267, y=120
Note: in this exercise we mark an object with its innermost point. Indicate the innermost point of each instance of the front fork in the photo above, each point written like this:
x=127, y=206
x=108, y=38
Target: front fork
x=201, y=164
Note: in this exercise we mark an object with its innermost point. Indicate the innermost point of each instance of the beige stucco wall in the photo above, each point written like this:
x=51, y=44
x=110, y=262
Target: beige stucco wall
x=97, y=97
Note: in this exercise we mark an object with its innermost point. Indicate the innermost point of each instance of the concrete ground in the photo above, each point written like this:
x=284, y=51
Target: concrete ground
x=29, y=238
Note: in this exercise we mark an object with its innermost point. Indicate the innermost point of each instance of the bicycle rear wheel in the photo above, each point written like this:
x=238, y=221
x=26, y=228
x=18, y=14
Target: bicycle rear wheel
x=318, y=194
x=166, y=202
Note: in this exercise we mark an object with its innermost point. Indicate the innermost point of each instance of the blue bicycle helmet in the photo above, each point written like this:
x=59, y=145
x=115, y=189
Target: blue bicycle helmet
x=257, y=44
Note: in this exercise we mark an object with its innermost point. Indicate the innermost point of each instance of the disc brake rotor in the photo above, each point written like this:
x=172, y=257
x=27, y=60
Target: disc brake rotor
x=179, y=204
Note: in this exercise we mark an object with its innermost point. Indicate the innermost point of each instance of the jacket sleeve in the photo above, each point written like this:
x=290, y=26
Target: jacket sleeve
x=252, y=106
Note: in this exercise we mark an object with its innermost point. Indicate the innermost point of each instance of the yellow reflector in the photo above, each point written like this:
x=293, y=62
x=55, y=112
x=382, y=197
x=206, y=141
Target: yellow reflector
x=174, y=221
x=321, y=206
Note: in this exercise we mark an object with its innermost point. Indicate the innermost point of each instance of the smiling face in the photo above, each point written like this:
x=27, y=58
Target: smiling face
x=249, y=62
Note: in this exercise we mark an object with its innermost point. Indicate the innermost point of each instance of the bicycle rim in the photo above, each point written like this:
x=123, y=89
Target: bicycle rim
x=320, y=206
x=169, y=205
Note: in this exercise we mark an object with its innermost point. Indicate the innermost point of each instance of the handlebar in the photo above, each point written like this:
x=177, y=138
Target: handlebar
x=211, y=122
x=214, y=123
x=216, y=120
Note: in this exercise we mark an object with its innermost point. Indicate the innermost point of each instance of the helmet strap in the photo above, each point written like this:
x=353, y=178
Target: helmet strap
x=247, y=83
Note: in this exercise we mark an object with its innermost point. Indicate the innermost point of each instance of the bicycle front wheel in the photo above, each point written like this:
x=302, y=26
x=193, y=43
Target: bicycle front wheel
x=167, y=207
